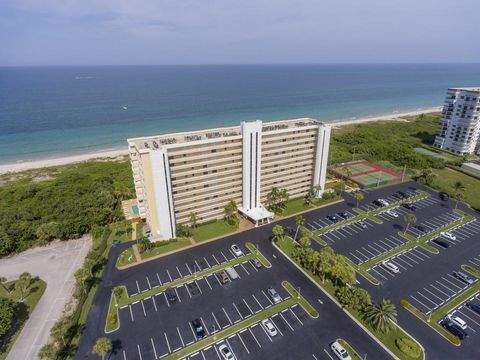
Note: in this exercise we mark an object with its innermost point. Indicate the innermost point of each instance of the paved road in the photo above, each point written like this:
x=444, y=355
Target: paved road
x=55, y=264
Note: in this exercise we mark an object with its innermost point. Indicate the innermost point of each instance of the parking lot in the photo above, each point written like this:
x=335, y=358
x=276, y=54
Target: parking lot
x=152, y=328
x=471, y=318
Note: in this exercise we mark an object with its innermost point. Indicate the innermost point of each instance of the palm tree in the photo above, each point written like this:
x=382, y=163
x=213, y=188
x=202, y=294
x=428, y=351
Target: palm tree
x=299, y=221
x=427, y=176
x=458, y=188
x=23, y=283
x=305, y=242
x=3, y=283
x=117, y=292
x=230, y=209
x=102, y=347
x=359, y=197
x=381, y=316
x=193, y=219
x=278, y=231
x=409, y=219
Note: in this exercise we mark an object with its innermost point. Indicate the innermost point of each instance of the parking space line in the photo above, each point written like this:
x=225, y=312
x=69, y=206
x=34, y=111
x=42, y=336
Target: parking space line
x=387, y=245
x=458, y=287
x=244, y=269
x=373, y=256
x=188, y=291
x=416, y=250
x=448, y=296
x=394, y=260
x=139, y=352
x=268, y=298
x=148, y=282
x=168, y=344
x=198, y=286
x=188, y=268
x=431, y=293
x=257, y=301
x=169, y=276
x=249, y=329
x=458, y=281
x=408, y=257
x=214, y=258
x=193, y=332
x=269, y=337
x=206, y=261
x=219, y=327
x=276, y=325
x=428, y=299
x=243, y=343
x=198, y=266
x=231, y=349
x=154, y=350
x=159, y=281
x=208, y=283
x=381, y=247
x=228, y=317
x=143, y=307
x=138, y=287
x=425, y=306
x=290, y=326
x=203, y=322
x=235, y=306
x=180, y=335
x=248, y=306
x=296, y=316
x=356, y=257
x=178, y=296
x=439, y=283
x=226, y=260
x=131, y=313
x=469, y=318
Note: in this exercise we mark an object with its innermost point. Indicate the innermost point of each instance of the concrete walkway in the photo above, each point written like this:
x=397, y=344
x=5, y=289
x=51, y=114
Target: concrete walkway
x=56, y=265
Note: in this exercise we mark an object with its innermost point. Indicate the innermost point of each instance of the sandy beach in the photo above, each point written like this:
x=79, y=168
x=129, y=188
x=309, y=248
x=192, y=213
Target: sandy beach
x=65, y=160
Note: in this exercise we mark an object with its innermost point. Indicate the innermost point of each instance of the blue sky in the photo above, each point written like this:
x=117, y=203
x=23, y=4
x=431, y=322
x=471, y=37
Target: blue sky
x=69, y=32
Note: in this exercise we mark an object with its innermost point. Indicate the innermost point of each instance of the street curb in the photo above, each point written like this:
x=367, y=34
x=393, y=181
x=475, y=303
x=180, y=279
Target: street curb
x=221, y=237
x=350, y=315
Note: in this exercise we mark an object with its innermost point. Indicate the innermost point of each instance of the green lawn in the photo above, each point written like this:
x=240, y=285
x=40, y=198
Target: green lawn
x=351, y=351
x=297, y=205
x=166, y=247
x=211, y=230
x=126, y=257
x=447, y=177
x=35, y=292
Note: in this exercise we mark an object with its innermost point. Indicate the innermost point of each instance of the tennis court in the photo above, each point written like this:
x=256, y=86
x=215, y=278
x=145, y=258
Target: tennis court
x=365, y=174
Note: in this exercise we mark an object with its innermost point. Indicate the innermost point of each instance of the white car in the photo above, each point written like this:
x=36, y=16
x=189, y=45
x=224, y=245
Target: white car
x=383, y=202
x=391, y=267
x=339, y=351
x=236, y=250
x=458, y=321
x=448, y=235
x=226, y=353
x=269, y=327
x=392, y=213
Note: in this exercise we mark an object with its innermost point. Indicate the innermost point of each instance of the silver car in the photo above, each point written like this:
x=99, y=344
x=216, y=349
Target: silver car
x=274, y=295
x=226, y=353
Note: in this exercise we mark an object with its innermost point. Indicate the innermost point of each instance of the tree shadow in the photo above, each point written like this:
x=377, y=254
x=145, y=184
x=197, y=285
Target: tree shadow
x=398, y=227
x=425, y=137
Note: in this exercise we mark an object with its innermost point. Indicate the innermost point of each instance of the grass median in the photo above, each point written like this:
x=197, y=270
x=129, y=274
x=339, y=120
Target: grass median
x=112, y=322
x=274, y=309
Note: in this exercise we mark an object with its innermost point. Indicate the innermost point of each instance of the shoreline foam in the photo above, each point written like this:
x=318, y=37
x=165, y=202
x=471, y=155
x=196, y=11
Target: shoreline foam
x=101, y=154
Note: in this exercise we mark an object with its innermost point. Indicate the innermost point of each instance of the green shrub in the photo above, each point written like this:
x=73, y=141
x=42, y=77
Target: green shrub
x=112, y=320
x=408, y=347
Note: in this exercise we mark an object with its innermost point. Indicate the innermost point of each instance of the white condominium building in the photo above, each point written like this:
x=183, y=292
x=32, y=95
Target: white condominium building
x=460, y=122
x=201, y=171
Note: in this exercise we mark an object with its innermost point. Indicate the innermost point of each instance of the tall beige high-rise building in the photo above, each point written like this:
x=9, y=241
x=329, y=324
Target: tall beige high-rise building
x=201, y=171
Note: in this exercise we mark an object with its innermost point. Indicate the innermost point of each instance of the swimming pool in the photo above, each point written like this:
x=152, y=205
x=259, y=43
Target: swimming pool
x=135, y=209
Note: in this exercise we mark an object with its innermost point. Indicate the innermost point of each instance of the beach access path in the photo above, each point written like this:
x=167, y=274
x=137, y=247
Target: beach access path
x=65, y=160
x=56, y=265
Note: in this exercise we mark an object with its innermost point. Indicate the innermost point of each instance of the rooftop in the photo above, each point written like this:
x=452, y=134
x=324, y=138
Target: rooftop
x=471, y=89
x=154, y=142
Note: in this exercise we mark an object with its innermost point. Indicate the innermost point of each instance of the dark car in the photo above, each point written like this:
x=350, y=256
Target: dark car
x=345, y=215
x=454, y=329
x=377, y=203
x=333, y=218
x=474, y=306
x=198, y=327
x=171, y=295
x=441, y=243
x=443, y=196
x=420, y=228
x=409, y=206
x=402, y=194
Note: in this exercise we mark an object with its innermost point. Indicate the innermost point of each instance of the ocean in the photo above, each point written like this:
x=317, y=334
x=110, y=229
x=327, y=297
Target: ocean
x=50, y=111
